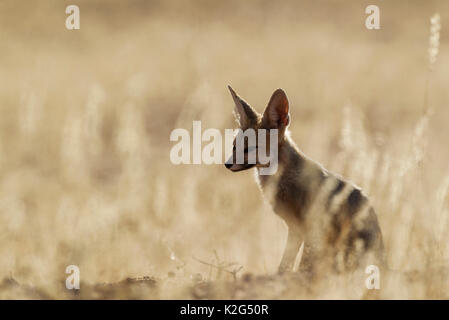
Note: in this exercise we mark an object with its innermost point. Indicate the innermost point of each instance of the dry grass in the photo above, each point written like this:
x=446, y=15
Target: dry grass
x=84, y=140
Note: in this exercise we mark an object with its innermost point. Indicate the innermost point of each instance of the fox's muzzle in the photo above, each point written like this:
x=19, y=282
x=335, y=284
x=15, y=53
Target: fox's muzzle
x=237, y=167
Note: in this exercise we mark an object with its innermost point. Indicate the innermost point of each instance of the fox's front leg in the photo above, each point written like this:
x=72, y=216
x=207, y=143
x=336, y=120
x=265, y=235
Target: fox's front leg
x=309, y=260
x=291, y=251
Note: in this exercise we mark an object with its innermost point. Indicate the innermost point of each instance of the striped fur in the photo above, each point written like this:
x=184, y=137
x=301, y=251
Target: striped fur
x=331, y=215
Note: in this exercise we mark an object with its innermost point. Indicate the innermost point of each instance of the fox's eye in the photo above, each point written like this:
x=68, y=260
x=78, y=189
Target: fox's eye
x=248, y=149
x=245, y=150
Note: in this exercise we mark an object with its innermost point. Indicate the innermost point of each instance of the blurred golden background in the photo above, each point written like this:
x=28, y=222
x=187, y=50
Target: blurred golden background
x=85, y=173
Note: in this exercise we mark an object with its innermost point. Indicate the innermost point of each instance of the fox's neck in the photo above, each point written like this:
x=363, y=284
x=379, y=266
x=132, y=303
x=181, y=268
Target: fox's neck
x=290, y=158
x=294, y=184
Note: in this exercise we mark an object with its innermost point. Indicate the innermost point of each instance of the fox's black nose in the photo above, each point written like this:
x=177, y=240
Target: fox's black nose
x=228, y=165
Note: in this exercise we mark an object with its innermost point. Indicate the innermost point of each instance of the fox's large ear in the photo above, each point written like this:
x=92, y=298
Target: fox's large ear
x=276, y=114
x=245, y=115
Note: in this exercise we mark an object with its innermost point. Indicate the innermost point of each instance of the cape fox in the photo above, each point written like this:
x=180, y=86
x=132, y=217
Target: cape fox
x=332, y=216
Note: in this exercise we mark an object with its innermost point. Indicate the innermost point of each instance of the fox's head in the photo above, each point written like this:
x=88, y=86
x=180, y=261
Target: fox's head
x=265, y=132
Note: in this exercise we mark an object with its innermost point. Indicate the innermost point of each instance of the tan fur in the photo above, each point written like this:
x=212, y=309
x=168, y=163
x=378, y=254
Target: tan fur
x=332, y=216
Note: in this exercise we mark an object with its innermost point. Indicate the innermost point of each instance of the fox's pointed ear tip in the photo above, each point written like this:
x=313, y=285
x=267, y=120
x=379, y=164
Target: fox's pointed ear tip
x=280, y=93
x=233, y=94
x=280, y=90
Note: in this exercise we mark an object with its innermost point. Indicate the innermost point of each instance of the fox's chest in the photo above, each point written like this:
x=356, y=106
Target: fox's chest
x=287, y=197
